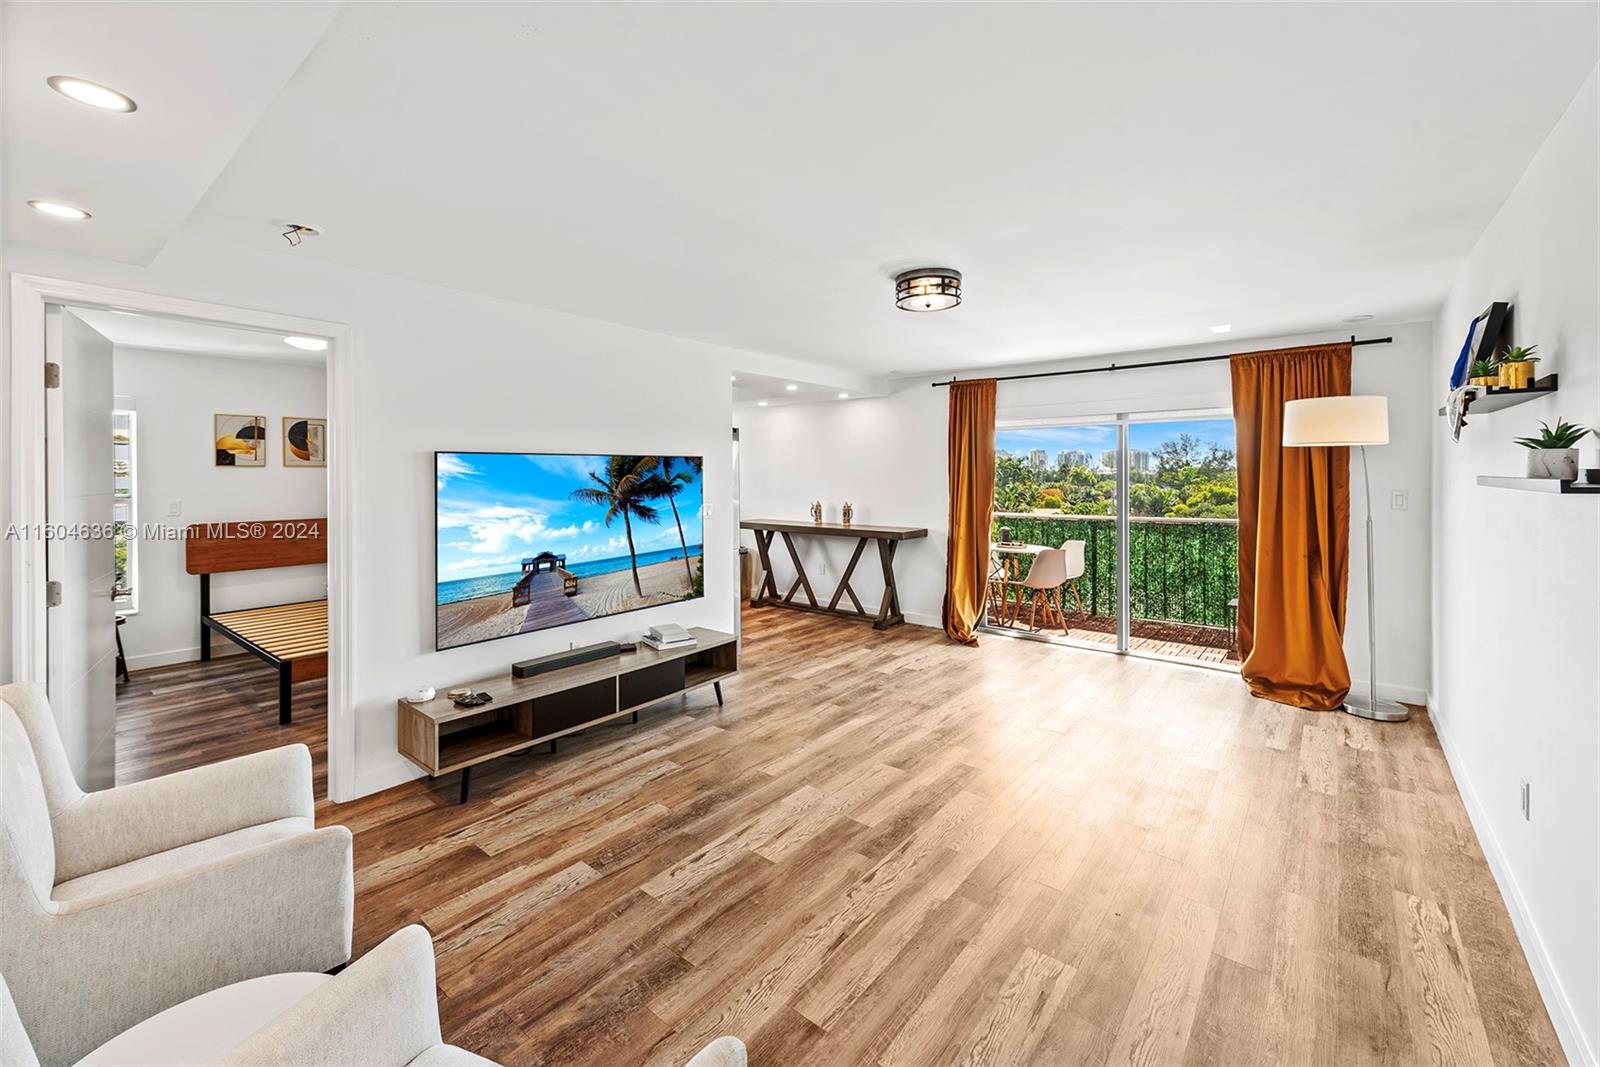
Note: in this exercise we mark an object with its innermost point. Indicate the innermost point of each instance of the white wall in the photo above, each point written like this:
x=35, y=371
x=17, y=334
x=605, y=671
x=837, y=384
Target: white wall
x=1516, y=591
x=887, y=456
x=175, y=395
x=435, y=368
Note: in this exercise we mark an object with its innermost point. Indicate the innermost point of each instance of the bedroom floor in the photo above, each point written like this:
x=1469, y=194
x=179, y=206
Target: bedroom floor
x=887, y=849
x=189, y=714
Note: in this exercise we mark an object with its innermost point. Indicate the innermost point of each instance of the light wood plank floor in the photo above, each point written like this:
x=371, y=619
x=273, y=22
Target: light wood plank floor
x=887, y=849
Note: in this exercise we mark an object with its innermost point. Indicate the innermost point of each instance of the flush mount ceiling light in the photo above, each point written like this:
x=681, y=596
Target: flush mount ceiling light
x=307, y=344
x=844, y=396
x=761, y=403
x=1222, y=327
x=927, y=289
x=1359, y=318
x=58, y=211
x=87, y=92
x=791, y=388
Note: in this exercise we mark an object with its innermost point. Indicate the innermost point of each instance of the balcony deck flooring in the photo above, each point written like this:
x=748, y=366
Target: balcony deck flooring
x=1156, y=637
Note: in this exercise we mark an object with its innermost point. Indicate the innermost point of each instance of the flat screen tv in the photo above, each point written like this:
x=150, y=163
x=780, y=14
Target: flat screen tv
x=525, y=541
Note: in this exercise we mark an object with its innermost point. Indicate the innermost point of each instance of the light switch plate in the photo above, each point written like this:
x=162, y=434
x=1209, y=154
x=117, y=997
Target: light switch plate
x=1399, y=500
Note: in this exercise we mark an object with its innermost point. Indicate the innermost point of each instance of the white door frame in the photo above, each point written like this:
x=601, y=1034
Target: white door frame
x=29, y=295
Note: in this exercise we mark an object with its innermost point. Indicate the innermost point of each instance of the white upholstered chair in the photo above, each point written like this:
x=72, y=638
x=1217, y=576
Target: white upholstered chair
x=119, y=904
x=1052, y=570
x=380, y=1011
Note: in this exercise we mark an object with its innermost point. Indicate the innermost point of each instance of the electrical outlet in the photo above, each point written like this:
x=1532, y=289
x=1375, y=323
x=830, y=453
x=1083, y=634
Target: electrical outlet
x=174, y=507
x=1527, y=812
x=1399, y=500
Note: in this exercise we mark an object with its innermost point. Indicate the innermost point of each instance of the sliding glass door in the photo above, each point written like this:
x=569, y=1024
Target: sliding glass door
x=1151, y=504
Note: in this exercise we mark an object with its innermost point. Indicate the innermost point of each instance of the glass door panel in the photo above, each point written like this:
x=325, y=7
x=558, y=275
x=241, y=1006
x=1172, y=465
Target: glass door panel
x=1151, y=503
x=1056, y=487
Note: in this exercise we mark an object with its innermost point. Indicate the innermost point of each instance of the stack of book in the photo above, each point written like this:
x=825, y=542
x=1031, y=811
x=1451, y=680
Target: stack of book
x=667, y=636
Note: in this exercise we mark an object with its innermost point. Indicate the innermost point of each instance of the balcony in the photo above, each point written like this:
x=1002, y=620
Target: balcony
x=1183, y=574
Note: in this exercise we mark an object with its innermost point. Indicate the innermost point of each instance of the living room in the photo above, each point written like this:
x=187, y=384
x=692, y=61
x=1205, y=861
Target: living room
x=824, y=256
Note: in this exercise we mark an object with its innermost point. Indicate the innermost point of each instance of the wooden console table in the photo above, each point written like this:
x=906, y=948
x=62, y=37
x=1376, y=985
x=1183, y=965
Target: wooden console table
x=440, y=737
x=888, y=538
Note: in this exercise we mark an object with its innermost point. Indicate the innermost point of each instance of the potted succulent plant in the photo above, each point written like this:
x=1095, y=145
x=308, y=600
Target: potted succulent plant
x=1553, y=453
x=1484, y=372
x=1515, y=366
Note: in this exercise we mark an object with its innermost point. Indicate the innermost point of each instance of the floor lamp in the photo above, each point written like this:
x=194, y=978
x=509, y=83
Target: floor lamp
x=1359, y=421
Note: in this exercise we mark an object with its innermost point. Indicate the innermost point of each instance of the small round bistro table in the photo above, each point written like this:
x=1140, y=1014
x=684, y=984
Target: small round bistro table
x=1011, y=562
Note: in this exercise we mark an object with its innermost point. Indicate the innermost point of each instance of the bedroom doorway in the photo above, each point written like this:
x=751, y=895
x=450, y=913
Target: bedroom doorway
x=178, y=601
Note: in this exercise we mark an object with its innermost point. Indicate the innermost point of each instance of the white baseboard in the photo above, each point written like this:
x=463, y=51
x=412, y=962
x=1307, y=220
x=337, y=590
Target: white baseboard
x=1562, y=1014
x=386, y=776
x=180, y=655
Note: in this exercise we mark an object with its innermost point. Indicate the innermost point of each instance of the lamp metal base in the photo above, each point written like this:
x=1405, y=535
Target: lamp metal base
x=1383, y=711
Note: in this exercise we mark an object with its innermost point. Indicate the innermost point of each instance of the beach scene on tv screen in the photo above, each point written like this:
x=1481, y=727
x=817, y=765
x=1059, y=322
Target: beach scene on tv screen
x=530, y=541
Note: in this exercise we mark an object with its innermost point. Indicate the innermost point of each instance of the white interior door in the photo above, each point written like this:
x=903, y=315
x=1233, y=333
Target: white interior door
x=81, y=624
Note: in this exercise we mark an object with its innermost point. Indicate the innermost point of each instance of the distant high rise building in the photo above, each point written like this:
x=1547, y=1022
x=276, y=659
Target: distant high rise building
x=1141, y=460
x=1080, y=458
x=1108, y=459
x=1063, y=459
x=1037, y=459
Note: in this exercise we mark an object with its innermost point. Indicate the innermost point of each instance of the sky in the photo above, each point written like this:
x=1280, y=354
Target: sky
x=495, y=508
x=1103, y=437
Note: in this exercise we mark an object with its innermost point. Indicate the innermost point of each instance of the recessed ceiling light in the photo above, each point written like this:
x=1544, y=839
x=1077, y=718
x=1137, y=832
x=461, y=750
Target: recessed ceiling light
x=1222, y=327
x=87, y=92
x=58, y=211
x=1359, y=318
x=844, y=396
x=733, y=377
x=761, y=403
x=307, y=344
x=791, y=387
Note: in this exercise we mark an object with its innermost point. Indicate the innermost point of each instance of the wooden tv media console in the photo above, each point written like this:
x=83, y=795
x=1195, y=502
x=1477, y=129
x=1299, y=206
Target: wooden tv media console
x=440, y=737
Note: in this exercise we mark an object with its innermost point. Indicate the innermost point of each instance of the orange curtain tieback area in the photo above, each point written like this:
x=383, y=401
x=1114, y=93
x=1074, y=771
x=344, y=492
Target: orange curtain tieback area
x=971, y=501
x=1294, y=531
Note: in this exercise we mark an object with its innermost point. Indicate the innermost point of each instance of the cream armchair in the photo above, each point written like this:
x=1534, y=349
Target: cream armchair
x=122, y=903
x=380, y=1011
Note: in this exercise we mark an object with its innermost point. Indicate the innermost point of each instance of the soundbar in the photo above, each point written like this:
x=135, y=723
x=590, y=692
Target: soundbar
x=570, y=658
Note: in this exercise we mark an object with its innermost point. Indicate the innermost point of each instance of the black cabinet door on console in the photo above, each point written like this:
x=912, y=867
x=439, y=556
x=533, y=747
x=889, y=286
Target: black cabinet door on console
x=574, y=707
x=650, y=683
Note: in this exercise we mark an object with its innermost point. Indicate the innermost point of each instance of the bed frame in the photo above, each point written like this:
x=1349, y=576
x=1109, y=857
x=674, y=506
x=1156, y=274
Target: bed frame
x=291, y=638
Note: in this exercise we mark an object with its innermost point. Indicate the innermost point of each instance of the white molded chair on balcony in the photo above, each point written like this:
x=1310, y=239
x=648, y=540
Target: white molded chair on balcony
x=1051, y=571
x=119, y=904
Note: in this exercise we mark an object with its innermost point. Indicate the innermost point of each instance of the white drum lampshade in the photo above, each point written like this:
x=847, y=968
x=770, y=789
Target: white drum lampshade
x=1326, y=421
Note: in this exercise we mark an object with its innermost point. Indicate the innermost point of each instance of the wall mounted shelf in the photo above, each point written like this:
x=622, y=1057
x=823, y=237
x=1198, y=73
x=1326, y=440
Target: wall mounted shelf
x=1493, y=398
x=1540, y=485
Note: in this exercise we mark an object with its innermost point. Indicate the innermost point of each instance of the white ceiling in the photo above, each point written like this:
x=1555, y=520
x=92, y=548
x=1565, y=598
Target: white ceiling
x=197, y=338
x=751, y=388
x=202, y=75
x=1109, y=177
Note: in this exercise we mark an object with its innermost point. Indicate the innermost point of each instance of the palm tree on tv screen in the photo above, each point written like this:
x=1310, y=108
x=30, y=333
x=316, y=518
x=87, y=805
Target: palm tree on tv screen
x=627, y=486
x=672, y=482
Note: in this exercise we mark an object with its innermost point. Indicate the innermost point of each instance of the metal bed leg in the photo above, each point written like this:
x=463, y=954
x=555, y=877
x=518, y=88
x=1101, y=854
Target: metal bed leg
x=285, y=693
x=466, y=779
x=718, y=687
x=205, y=610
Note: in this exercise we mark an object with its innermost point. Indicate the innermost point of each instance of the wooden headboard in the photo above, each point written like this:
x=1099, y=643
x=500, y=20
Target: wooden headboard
x=214, y=547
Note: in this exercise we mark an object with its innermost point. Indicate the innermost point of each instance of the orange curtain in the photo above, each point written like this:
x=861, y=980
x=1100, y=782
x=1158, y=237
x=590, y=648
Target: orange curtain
x=966, y=575
x=1294, y=531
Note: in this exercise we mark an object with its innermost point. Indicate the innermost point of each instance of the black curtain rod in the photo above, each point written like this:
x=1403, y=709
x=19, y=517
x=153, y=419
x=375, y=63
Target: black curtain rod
x=1157, y=363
